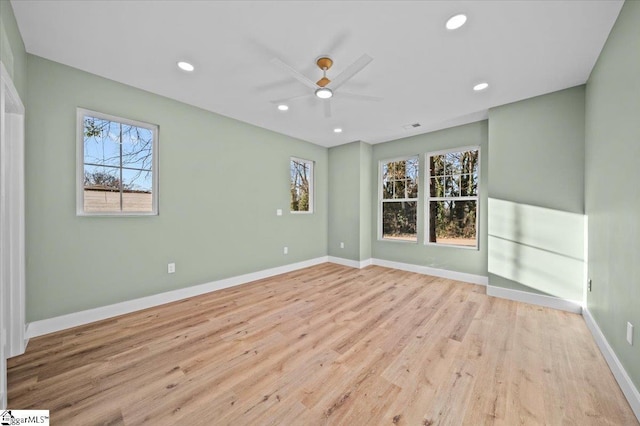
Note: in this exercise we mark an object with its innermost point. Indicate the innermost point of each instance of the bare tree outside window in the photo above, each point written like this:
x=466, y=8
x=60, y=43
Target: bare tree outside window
x=301, y=172
x=452, y=200
x=117, y=165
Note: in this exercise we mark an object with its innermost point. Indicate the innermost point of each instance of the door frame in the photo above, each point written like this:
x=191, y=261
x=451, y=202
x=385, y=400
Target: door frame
x=12, y=227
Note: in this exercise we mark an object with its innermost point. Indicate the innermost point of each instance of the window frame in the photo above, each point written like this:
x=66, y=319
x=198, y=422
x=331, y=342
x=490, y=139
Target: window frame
x=381, y=200
x=428, y=198
x=81, y=113
x=312, y=172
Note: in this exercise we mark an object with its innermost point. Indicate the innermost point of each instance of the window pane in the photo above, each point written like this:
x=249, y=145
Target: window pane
x=137, y=143
x=436, y=165
x=412, y=188
x=470, y=162
x=452, y=186
x=137, y=191
x=301, y=180
x=437, y=187
x=468, y=185
x=399, y=187
x=137, y=180
x=399, y=220
x=387, y=190
x=101, y=178
x=101, y=142
x=453, y=222
x=453, y=163
x=400, y=179
x=101, y=189
x=412, y=168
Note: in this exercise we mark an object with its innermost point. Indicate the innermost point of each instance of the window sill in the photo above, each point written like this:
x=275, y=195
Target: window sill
x=393, y=240
x=107, y=214
x=476, y=247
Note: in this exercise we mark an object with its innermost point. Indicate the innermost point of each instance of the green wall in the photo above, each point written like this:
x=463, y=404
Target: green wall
x=450, y=258
x=537, y=151
x=612, y=192
x=344, y=201
x=12, y=51
x=349, y=201
x=536, y=195
x=220, y=181
x=366, y=158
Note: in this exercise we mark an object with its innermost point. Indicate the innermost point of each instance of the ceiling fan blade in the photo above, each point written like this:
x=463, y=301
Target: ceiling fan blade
x=295, y=74
x=337, y=42
x=358, y=97
x=291, y=98
x=327, y=108
x=351, y=70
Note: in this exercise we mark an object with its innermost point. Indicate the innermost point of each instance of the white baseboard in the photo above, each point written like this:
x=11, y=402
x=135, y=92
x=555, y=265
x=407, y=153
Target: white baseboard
x=50, y=325
x=623, y=379
x=351, y=263
x=535, y=299
x=426, y=270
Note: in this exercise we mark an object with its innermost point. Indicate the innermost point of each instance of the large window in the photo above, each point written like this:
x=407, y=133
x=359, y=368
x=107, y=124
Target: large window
x=117, y=166
x=399, y=199
x=452, y=198
x=301, y=172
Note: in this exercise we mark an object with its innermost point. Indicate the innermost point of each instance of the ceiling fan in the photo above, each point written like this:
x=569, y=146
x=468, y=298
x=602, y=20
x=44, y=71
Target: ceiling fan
x=325, y=88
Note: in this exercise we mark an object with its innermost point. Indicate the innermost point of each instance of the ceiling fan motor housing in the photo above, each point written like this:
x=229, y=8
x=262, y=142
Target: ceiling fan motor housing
x=324, y=63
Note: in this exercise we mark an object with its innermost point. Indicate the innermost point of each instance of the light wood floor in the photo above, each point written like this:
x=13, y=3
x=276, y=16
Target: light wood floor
x=325, y=345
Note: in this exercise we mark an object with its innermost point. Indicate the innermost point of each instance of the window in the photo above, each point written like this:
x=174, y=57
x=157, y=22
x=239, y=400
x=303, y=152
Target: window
x=399, y=199
x=117, y=166
x=452, y=199
x=301, y=172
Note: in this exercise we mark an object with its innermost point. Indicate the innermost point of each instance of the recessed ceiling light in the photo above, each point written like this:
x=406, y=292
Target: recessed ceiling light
x=480, y=86
x=456, y=21
x=185, y=66
x=337, y=130
x=283, y=107
x=324, y=93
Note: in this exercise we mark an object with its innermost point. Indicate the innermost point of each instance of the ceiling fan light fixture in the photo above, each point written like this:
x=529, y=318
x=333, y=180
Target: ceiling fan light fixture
x=324, y=93
x=456, y=21
x=283, y=107
x=185, y=66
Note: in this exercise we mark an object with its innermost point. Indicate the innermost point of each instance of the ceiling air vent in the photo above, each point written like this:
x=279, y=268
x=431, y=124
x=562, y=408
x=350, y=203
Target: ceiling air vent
x=411, y=126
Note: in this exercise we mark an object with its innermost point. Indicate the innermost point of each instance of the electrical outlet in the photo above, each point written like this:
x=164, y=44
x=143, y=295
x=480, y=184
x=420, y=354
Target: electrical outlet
x=286, y=250
x=171, y=268
x=630, y=333
x=341, y=245
x=589, y=284
x=279, y=212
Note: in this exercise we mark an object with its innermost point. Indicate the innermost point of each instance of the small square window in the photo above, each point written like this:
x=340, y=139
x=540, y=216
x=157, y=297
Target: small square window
x=117, y=166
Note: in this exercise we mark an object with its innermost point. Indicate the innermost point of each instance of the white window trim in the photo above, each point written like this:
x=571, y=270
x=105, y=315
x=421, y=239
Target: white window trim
x=428, y=198
x=311, y=185
x=381, y=164
x=80, y=114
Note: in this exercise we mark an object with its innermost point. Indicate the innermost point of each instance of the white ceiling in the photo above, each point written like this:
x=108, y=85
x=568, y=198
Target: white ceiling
x=424, y=72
